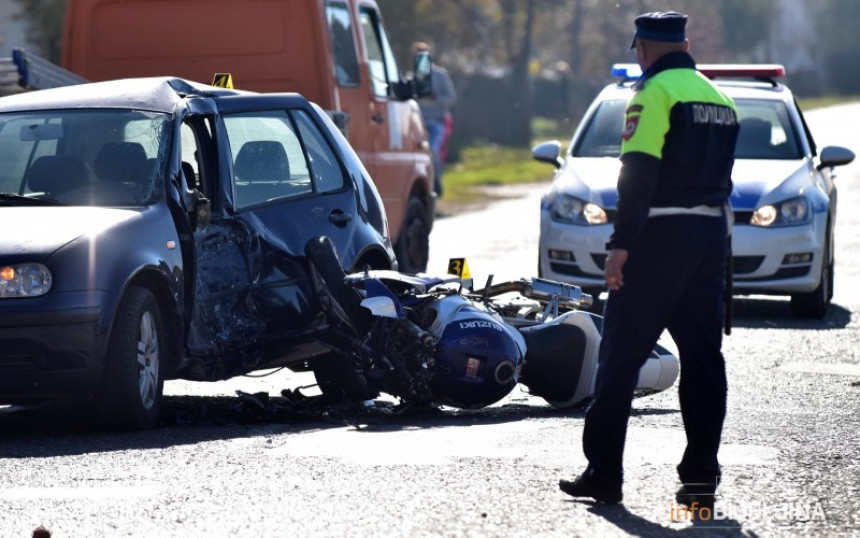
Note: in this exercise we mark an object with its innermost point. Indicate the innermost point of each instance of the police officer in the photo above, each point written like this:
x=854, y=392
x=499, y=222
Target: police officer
x=667, y=261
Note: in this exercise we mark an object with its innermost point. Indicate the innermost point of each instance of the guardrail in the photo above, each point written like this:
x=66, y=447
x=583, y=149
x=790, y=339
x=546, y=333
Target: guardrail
x=30, y=72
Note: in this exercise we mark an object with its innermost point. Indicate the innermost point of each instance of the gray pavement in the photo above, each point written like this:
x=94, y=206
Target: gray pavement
x=217, y=468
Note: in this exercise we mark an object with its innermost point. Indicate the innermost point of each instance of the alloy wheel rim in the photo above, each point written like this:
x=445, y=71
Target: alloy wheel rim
x=147, y=361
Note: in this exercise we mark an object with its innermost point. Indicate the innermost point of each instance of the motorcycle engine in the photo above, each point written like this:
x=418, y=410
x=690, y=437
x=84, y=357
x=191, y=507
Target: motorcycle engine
x=478, y=357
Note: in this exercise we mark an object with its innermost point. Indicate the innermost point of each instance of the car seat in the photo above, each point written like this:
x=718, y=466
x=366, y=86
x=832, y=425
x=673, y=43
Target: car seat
x=57, y=174
x=754, y=139
x=261, y=172
x=121, y=162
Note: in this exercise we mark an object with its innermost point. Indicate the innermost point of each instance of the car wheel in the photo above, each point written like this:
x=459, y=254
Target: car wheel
x=340, y=302
x=413, y=244
x=815, y=303
x=131, y=394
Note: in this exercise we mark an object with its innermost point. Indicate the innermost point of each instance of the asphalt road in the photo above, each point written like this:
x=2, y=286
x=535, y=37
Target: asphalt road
x=218, y=465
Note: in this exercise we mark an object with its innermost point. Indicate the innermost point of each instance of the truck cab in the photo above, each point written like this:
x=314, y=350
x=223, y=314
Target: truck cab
x=334, y=52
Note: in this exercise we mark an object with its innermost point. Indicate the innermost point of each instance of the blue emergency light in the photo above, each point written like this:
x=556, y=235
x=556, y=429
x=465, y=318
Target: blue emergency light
x=626, y=71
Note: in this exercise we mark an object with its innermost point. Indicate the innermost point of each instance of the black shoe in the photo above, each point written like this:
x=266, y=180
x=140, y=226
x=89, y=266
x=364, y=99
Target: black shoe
x=696, y=495
x=590, y=484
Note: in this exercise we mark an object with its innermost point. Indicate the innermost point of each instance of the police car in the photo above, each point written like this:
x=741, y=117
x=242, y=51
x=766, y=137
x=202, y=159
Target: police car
x=784, y=197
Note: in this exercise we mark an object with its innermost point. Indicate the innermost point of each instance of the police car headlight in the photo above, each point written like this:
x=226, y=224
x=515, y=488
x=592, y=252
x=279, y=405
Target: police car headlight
x=24, y=280
x=788, y=213
x=569, y=209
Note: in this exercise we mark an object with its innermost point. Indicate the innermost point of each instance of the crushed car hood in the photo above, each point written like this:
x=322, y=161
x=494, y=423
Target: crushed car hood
x=43, y=230
x=595, y=180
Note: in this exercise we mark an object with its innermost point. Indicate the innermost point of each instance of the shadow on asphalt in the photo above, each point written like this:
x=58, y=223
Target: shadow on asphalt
x=775, y=313
x=635, y=525
x=62, y=429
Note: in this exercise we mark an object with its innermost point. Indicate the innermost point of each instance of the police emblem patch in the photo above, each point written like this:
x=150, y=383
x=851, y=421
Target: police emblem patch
x=630, y=127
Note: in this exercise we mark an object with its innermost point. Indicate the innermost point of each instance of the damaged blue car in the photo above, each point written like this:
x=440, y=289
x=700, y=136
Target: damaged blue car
x=155, y=228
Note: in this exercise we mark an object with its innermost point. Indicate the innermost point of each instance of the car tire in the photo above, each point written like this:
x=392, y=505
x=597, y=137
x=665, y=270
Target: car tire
x=815, y=303
x=131, y=393
x=413, y=244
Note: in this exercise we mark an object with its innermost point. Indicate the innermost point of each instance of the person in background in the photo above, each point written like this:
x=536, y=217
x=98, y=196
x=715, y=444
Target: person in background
x=435, y=109
x=667, y=262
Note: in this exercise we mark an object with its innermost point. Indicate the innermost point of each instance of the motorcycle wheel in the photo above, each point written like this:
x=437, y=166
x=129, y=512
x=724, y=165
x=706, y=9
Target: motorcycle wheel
x=337, y=299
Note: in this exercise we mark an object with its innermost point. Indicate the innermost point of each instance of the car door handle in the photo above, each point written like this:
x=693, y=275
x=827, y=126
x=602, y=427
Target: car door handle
x=339, y=218
x=378, y=118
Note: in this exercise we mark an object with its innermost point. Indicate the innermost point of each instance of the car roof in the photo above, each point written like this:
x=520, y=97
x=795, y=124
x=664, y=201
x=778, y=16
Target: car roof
x=157, y=94
x=734, y=88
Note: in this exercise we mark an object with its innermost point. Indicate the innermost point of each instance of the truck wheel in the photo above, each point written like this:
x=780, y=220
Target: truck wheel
x=131, y=394
x=413, y=244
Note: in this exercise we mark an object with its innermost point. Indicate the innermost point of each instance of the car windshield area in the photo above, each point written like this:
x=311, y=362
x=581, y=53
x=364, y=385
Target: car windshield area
x=602, y=135
x=105, y=157
x=766, y=131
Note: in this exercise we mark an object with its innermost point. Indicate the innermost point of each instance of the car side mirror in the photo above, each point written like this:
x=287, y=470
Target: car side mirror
x=421, y=69
x=548, y=152
x=834, y=156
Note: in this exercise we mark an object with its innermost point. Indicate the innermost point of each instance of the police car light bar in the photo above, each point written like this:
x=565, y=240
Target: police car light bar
x=756, y=71
x=760, y=71
x=626, y=71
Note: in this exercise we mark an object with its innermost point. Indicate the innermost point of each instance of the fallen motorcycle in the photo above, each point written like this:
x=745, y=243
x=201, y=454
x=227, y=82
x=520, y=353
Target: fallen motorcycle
x=434, y=341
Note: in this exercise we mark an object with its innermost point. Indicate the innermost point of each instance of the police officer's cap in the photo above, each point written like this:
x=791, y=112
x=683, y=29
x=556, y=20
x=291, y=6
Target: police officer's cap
x=661, y=26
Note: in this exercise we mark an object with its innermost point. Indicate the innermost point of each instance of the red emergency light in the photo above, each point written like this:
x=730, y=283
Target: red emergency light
x=759, y=71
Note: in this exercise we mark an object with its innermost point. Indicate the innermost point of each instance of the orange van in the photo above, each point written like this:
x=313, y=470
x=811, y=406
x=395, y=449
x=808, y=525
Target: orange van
x=334, y=52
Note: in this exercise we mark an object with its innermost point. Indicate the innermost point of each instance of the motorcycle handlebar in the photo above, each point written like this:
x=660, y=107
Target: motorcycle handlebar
x=542, y=290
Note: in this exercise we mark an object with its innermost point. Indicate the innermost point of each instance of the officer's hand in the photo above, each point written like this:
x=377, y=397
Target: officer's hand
x=613, y=269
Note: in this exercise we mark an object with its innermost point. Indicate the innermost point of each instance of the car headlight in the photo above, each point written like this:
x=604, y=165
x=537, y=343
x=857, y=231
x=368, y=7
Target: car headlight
x=24, y=280
x=788, y=213
x=566, y=208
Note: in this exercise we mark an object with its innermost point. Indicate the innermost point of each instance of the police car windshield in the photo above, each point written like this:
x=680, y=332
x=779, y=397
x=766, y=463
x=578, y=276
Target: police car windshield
x=766, y=131
x=602, y=135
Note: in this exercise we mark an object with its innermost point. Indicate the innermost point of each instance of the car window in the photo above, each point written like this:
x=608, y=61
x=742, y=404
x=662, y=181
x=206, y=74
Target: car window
x=602, y=135
x=380, y=57
x=102, y=157
x=343, y=45
x=268, y=159
x=766, y=131
x=325, y=167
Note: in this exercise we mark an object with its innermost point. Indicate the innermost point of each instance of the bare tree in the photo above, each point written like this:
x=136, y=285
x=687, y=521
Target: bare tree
x=44, y=20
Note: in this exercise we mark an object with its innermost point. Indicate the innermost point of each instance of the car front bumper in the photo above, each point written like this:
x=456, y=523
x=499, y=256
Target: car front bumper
x=778, y=260
x=572, y=253
x=50, y=348
x=764, y=259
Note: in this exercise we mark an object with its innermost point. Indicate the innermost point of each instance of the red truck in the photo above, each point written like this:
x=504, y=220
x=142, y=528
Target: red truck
x=334, y=52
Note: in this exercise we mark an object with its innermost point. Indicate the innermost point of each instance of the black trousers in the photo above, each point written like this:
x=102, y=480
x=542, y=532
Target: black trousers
x=674, y=279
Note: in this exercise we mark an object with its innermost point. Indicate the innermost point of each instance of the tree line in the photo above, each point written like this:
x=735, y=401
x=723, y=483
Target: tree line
x=513, y=59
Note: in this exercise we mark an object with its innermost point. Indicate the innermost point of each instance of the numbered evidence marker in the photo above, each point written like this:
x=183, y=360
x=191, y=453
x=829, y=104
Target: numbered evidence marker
x=459, y=267
x=223, y=80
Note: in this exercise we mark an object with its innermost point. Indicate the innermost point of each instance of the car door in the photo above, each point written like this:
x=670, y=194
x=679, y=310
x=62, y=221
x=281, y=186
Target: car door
x=279, y=183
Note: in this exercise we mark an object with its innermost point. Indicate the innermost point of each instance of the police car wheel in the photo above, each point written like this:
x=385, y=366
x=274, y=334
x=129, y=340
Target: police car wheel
x=815, y=303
